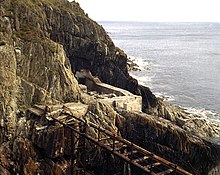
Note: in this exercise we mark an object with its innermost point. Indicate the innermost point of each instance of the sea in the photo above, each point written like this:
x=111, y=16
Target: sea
x=180, y=62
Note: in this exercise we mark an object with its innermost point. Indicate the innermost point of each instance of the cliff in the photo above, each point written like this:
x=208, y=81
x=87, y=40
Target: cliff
x=39, y=37
x=42, y=45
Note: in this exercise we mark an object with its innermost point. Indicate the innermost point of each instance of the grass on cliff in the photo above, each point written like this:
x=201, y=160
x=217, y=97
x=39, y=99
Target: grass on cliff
x=2, y=29
x=33, y=3
x=31, y=34
x=27, y=33
x=28, y=30
x=71, y=7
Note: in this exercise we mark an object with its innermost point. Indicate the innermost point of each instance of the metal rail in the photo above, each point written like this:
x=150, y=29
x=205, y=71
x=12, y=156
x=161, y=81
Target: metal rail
x=144, y=160
x=131, y=153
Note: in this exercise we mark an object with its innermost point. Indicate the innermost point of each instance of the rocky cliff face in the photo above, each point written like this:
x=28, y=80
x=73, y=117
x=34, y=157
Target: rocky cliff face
x=170, y=141
x=86, y=43
x=34, y=69
x=42, y=44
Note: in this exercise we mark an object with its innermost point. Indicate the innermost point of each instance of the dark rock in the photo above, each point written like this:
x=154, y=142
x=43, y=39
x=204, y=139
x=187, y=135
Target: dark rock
x=4, y=171
x=169, y=141
x=132, y=66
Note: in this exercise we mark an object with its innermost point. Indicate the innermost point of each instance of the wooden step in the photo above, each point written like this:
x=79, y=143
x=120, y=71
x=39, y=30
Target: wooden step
x=118, y=145
x=153, y=165
x=165, y=172
x=141, y=159
x=70, y=121
x=130, y=153
x=110, y=144
x=103, y=139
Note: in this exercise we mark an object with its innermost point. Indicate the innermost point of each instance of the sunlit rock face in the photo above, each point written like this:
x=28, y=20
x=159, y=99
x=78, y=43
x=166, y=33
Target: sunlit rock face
x=8, y=79
x=34, y=69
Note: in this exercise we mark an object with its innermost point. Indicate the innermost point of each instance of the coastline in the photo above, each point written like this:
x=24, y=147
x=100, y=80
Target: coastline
x=192, y=116
x=182, y=59
x=136, y=65
x=195, y=111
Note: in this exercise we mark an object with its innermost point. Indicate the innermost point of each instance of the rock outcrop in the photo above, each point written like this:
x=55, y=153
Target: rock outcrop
x=34, y=69
x=195, y=124
x=170, y=141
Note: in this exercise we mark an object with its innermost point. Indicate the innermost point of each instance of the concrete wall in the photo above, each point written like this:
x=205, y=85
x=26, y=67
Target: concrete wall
x=130, y=103
x=124, y=99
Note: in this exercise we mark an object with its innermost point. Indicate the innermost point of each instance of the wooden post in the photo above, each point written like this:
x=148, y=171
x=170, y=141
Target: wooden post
x=113, y=143
x=99, y=134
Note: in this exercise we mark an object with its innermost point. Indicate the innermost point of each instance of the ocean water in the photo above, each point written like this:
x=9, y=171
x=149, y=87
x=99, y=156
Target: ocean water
x=179, y=61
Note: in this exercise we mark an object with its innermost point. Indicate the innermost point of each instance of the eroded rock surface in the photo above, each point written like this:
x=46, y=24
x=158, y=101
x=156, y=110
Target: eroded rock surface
x=170, y=141
x=34, y=69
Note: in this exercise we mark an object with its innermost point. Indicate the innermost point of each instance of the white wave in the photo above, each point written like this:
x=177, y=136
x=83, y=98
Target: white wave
x=142, y=80
x=146, y=80
x=208, y=115
x=143, y=64
x=164, y=96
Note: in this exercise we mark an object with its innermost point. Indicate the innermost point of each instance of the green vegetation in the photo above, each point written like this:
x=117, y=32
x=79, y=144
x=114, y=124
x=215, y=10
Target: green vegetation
x=49, y=44
x=34, y=3
x=56, y=4
x=27, y=33
x=31, y=34
x=29, y=28
x=2, y=29
x=29, y=3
